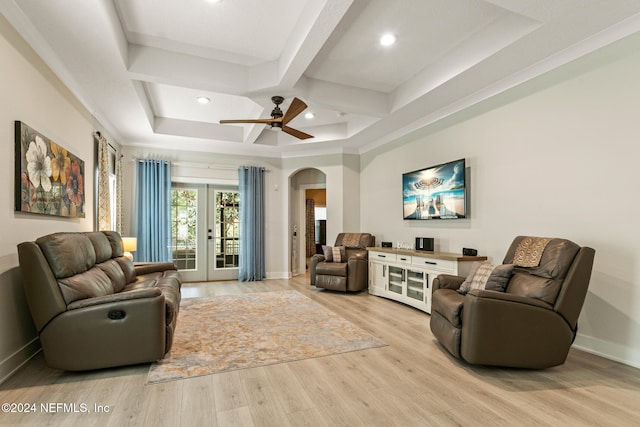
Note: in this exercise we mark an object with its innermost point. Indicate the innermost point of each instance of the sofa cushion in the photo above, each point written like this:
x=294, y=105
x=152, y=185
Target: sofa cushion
x=89, y=284
x=544, y=280
x=355, y=240
x=101, y=246
x=114, y=272
x=67, y=253
x=487, y=276
x=332, y=269
x=528, y=285
x=334, y=253
x=554, y=262
x=116, y=243
x=127, y=268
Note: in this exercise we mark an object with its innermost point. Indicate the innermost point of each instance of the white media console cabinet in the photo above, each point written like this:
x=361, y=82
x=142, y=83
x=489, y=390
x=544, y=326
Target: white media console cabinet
x=407, y=275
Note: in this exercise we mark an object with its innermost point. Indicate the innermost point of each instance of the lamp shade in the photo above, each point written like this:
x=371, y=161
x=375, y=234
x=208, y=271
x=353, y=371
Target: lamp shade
x=129, y=244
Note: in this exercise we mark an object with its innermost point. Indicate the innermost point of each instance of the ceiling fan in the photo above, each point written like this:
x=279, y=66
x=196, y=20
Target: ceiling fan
x=279, y=120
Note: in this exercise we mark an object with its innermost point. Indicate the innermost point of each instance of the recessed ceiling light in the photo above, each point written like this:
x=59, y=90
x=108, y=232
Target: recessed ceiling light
x=388, y=39
x=203, y=100
x=309, y=115
x=214, y=1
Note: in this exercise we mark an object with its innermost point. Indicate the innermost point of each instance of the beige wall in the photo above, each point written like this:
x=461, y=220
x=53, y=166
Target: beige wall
x=555, y=157
x=32, y=94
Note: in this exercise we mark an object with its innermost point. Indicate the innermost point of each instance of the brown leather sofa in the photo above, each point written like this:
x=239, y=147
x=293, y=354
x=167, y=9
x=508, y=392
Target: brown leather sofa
x=92, y=307
x=352, y=273
x=530, y=325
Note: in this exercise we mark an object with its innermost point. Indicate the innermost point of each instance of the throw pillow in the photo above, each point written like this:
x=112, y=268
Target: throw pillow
x=334, y=253
x=487, y=276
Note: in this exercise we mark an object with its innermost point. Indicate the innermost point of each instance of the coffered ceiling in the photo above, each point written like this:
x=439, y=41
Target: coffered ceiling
x=140, y=65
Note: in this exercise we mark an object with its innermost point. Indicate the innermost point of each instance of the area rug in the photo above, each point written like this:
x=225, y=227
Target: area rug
x=231, y=332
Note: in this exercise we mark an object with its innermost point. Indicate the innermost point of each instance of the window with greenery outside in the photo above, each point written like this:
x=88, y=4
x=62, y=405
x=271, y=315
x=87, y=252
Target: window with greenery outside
x=184, y=227
x=227, y=229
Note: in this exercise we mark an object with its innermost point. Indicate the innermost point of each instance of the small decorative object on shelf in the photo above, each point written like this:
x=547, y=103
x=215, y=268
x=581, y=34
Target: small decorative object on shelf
x=403, y=245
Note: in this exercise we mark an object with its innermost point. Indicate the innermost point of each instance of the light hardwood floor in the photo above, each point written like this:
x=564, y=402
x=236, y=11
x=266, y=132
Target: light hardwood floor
x=410, y=382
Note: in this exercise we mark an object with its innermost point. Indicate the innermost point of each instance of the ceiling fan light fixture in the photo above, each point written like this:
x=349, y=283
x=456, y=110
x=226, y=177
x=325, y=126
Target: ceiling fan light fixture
x=388, y=39
x=203, y=100
x=278, y=120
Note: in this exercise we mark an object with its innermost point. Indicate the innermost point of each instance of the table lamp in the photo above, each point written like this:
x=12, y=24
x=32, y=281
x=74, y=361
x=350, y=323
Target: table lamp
x=129, y=244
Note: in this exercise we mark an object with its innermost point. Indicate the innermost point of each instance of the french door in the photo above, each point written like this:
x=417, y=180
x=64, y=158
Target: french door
x=205, y=231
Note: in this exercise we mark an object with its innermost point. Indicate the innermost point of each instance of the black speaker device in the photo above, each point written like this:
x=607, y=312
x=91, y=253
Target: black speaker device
x=424, y=244
x=386, y=244
x=469, y=252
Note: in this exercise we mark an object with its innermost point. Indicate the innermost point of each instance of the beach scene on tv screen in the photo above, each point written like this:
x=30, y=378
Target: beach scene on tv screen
x=435, y=193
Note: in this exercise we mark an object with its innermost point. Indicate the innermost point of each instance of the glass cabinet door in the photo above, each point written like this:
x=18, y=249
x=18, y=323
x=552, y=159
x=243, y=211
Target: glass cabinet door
x=396, y=277
x=415, y=284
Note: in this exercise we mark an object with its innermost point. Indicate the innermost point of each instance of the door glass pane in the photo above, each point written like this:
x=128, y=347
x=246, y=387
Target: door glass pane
x=396, y=276
x=415, y=284
x=184, y=227
x=227, y=229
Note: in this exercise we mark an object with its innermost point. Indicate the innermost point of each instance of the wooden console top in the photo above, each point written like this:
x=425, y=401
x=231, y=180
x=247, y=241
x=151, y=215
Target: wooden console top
x=449, y=256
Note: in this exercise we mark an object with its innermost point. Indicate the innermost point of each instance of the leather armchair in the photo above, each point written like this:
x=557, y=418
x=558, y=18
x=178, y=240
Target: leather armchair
x=351, y=275
x=530, y=325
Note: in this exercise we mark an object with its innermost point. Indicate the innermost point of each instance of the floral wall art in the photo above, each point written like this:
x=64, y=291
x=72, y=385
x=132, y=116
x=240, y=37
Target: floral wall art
x=49, y=179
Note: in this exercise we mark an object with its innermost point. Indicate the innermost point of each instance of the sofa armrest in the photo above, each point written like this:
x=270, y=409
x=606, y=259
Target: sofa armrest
x=313, y=262
x=502, y=296
x=143, y=268
x=447, y=281
x=358, y=273
x=122, y=296
x=359, y=254
x=108, y=334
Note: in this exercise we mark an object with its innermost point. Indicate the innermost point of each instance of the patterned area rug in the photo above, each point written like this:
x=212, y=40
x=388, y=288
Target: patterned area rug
x=230, y=332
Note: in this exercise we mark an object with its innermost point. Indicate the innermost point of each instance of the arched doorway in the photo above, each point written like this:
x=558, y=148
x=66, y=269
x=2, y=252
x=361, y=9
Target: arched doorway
x=307, y=200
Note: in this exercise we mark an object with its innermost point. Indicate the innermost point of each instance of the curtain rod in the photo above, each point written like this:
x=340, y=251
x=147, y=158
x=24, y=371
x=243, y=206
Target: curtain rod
x=99, y=135
x=198, y=165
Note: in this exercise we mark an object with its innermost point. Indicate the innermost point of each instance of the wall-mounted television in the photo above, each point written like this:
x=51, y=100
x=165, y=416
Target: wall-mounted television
x=436, y=192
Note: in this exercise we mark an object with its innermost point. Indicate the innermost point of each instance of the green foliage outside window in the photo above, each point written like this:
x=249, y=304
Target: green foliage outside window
x=184, y=221
x=227, y=228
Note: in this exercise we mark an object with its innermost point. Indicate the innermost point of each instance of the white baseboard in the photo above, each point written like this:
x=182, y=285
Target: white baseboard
x=279, y=275
x=608, y=350
x=15, y=361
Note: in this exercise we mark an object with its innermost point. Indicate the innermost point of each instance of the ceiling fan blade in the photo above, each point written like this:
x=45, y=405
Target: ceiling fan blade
x=296, y=107
x=262, y=121
x=295, y=132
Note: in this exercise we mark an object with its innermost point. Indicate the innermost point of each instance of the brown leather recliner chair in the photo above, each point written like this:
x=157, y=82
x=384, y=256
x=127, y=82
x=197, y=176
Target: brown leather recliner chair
x=530, y=325
x=351, y=274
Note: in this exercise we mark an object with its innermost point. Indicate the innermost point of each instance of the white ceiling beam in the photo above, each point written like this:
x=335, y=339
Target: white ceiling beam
x=161, y=66
x=344, y=98
x=316, y=24
x=168, y=126
x=502, y=32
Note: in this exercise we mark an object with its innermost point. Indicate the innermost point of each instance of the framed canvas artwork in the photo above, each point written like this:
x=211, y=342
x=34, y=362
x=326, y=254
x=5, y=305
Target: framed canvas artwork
x=49, y=179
